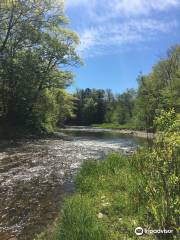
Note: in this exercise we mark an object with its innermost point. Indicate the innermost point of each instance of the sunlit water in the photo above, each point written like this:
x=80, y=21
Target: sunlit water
x=35, y=175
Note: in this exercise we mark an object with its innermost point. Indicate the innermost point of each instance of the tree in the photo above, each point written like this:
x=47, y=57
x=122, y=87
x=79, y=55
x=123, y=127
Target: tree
x=35, y=45
x=90, y=106
x=124, y=107
x=159, y=90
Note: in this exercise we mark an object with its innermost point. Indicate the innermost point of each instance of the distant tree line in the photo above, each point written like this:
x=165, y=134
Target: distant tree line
x=159, y=90
x=96, y=106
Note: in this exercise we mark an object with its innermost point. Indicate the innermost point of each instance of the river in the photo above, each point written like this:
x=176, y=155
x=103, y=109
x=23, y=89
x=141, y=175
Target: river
x=35, y=175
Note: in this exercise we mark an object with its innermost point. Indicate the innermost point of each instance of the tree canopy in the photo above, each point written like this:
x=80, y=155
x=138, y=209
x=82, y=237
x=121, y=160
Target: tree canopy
x=35, y=46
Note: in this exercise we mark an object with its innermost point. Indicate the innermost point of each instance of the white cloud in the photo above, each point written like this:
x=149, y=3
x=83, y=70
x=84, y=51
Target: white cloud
x=138, y=7
x=120, y=22
x=118, y=34
x=124, y=7
x=88, y=39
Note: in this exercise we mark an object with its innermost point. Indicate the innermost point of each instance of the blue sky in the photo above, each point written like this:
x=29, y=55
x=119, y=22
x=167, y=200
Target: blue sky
x=121, y=38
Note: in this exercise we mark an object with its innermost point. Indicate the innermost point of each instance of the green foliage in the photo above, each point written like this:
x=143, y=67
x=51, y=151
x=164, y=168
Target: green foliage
x=123, y=110
x=90, y=107
x=52, y=109
x=99, y=106
x=66, y=106
x=45, y=112
x=167, y=121
x=160, y=173
x=35, y=45
x=159, y=90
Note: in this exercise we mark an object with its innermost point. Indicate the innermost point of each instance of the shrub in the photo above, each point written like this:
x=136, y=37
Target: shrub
x=159, y=170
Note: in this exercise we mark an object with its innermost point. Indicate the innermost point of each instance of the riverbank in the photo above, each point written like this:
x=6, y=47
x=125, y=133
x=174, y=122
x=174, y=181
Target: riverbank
x=14, y=134
x=101, y=128
x=125, y=129
x=115, y=126
x=105, y=205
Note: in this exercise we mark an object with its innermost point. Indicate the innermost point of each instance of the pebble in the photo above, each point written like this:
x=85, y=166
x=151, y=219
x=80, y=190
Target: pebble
x=100, y=215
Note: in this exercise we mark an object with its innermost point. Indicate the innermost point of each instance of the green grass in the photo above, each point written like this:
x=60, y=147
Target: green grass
x=115, y=126
x=104, y=207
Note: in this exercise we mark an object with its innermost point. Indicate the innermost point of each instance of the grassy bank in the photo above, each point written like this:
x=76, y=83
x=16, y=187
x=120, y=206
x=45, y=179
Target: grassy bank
x=116, y=126
x=110, y=202
x=104, y=206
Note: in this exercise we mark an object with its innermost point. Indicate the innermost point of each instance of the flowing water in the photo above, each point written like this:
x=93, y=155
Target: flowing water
x=35, y=175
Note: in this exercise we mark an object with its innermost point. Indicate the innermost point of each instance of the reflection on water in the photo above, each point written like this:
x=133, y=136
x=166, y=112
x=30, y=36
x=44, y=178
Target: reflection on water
x=102, y=134
x=35, y=176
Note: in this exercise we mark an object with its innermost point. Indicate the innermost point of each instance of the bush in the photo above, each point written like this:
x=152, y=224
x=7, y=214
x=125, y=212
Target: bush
x=159, y=170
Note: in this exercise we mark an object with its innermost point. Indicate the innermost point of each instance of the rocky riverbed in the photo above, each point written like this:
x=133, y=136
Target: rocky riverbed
x=36, y=174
